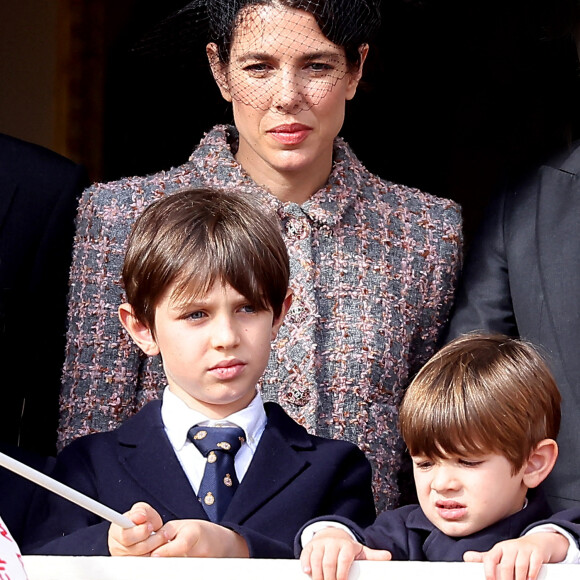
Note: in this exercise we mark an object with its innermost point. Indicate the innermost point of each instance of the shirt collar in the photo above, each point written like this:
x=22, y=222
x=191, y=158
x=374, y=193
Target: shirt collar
x=178, y=419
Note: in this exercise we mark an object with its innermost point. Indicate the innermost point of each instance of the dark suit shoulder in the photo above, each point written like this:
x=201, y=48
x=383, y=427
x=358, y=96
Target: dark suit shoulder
x=130, y=432
x=526, y=187
x=567, y=160
x=297, y=436
x=23, y=153
x=281, y=422
x=22, y=156
x=149, y=417
x=548, y=187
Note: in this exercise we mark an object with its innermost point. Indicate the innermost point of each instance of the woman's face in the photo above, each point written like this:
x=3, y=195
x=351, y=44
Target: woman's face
x=288, y=85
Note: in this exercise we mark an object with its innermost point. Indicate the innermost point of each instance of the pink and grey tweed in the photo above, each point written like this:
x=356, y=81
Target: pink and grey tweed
x=373, y=267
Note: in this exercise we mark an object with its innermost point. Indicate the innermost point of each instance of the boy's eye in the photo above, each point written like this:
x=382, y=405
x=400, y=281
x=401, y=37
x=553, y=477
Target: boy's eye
x=424, y=464
x=197, y=315
x=470, y=462
x=248, y=309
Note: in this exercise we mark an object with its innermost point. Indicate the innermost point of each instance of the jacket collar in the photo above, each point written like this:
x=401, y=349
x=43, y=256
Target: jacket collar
x=439, y=547
x=277, y=461
x=275, y=464
x=143, y=445
x=557, y=241
x=326, y=206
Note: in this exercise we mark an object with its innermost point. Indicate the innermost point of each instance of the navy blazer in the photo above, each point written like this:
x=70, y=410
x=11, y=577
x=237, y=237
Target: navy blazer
x=293, y=477
x=409, y=535
x=38, y=201
x=522, y=278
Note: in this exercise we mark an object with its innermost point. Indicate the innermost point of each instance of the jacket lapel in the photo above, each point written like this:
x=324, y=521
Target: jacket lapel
x=276, y=463
x=558, y=250
x=148, y=457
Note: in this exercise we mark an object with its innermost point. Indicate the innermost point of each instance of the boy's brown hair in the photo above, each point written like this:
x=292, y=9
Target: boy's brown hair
x=193, y=238
x=481, y=394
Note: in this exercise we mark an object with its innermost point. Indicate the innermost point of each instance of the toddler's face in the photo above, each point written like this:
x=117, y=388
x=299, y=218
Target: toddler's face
x=463, y=495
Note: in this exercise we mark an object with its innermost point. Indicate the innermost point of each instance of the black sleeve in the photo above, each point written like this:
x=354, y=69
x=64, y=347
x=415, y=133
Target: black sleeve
x=483, y=298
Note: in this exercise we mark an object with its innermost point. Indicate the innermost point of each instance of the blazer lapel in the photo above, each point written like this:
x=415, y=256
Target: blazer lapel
x=558, y=248
x=276, y=463
x=148, y=457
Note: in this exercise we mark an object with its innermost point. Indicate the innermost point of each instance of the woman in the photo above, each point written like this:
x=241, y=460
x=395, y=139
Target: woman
x=373, y=264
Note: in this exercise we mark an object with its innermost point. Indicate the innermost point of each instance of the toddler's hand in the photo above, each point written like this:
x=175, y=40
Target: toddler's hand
x=331, y=552
x=522, y=558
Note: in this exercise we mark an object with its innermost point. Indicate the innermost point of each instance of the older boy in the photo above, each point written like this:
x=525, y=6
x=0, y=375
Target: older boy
x=206, y=276
x=480, y=422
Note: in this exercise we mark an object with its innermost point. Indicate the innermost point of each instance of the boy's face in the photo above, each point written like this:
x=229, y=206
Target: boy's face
x=214, y=348
x=463, y=495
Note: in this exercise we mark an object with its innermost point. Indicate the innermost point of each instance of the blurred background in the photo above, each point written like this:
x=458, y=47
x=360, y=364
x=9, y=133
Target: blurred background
x=460, y=96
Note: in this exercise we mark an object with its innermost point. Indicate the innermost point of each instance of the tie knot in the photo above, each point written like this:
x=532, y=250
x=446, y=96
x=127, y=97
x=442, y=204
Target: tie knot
x=208, y=439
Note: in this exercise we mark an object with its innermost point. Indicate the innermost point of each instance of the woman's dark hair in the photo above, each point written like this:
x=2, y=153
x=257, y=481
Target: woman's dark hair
x=346, y=23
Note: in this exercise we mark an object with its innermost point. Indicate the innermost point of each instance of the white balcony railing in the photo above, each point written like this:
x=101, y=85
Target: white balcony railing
x=103, y=568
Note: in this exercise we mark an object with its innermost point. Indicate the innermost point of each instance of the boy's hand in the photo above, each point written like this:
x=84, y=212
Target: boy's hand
x=522, y=558
x=330, y=554
x=139, y=540
x=200, y=539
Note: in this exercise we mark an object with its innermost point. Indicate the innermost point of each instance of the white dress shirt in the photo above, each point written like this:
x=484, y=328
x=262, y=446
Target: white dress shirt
x=178, y=419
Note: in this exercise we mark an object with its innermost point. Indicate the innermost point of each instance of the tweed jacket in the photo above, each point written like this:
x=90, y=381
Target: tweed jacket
x=373, y=269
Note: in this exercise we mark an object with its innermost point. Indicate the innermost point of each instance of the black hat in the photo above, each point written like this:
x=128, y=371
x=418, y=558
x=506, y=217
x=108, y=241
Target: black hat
x=186, y=32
